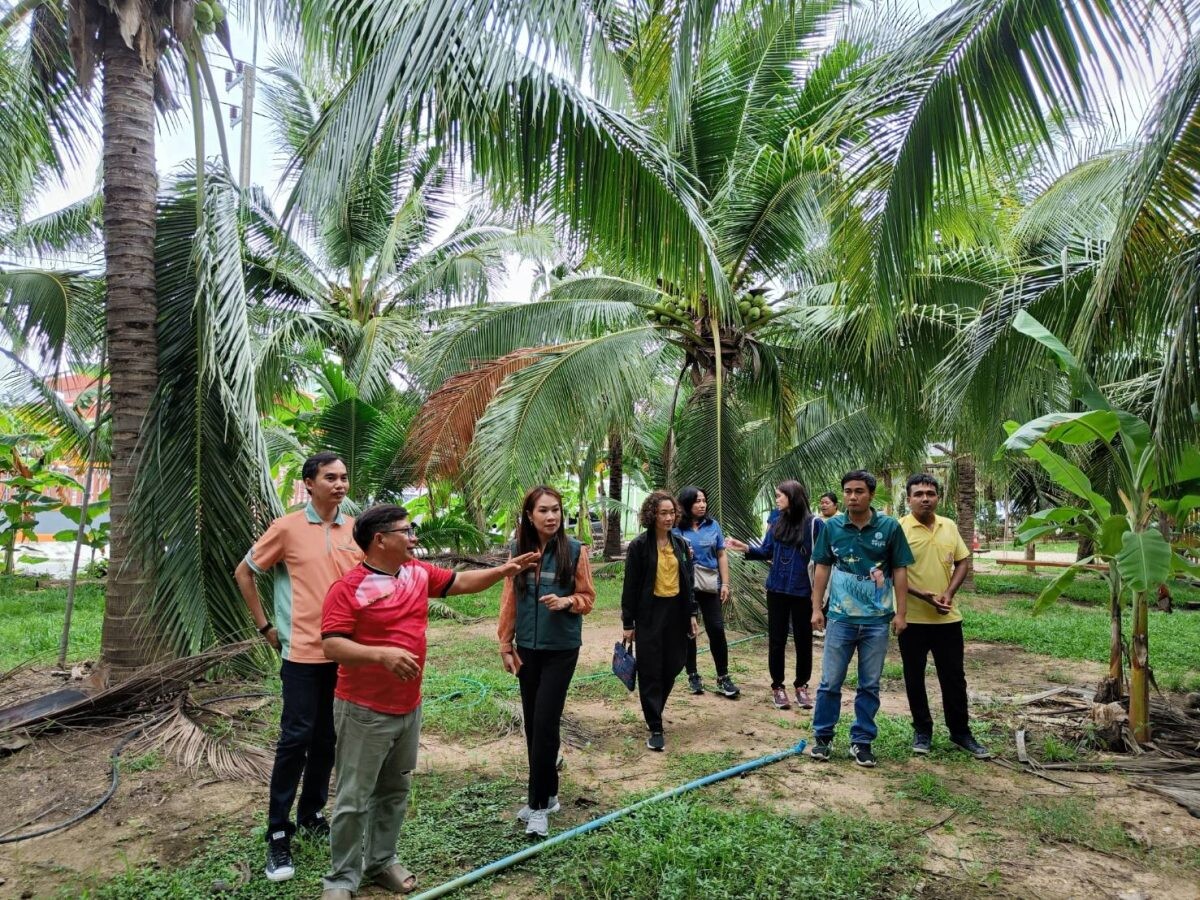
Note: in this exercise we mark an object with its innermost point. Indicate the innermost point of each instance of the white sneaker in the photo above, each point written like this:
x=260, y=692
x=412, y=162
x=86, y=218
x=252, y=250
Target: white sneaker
x=538, y=825
x=551, y=807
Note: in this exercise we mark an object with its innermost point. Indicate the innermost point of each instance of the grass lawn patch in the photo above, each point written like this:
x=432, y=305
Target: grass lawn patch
x=31, y=620
x=1074, y=633
x=486, y=604
x=1087, y=587
x=686, y=848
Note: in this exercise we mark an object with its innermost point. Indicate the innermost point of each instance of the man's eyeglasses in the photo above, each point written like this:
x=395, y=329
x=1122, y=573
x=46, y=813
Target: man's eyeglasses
x=410, y=530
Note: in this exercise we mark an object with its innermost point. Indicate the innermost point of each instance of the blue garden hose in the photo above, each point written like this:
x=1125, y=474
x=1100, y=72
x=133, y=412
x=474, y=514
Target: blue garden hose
x=522, y=855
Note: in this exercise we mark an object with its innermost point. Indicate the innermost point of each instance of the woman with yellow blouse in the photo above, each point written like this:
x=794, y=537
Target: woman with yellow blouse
x=658, y=608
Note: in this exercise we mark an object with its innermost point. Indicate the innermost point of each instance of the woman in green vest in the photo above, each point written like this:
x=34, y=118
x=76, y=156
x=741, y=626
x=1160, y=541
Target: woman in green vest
x=541, y=631
x=658, y=607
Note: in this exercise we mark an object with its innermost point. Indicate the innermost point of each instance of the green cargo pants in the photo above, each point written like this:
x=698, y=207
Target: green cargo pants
x=376, y=755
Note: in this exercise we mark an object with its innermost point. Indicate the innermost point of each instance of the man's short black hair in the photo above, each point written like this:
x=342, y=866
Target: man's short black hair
x=313, y=464
x=921, y=478
x=861, y=475
x=378, y=518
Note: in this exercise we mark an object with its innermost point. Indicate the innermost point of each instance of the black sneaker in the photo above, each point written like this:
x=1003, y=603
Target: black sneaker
x=922, y=743
x=279, y=857
x=821, y=749
x=726, y=686
x=972, y=746
x=695, y=685
x=656, y=741
x=316, y=828
x=862, y=755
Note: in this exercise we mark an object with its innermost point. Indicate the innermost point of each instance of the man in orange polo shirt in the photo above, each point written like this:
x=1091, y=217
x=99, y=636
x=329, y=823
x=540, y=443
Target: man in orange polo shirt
x=308, y=550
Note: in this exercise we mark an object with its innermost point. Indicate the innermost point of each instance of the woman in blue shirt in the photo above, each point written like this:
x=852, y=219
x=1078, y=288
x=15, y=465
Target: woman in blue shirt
x=711, y=586
x=791, y=531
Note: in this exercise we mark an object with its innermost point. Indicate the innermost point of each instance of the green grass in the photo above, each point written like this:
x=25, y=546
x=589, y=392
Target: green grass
x=686, y=848
x=681, y=848
x=1055, y=750
x=1087, y=588
x=31, y=621
x=1069, y=821
x=928, y=788
x=487, y=603
x=1074, y=633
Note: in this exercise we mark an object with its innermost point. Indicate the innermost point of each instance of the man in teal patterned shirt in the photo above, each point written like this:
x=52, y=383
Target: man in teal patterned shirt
x=863, y=558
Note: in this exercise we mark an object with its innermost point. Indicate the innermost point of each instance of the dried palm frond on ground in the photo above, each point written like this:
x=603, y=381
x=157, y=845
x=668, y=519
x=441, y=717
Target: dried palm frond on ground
x=187, y=742
x=574, y=733
x=1168, y=765
x=149, y=689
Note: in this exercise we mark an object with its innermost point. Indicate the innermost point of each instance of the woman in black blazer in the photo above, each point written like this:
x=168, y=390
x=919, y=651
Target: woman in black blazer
x=658, y=608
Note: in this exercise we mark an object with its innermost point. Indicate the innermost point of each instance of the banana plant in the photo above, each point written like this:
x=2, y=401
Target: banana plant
x=1138, y=557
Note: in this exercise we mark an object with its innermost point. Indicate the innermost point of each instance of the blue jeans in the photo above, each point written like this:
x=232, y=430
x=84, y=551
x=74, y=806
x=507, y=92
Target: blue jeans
x=841, y=640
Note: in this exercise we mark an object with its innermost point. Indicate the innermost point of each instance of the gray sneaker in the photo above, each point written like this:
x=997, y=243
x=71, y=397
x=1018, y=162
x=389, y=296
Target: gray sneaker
x=538, y=824
x=551, y=807
x=922, y=743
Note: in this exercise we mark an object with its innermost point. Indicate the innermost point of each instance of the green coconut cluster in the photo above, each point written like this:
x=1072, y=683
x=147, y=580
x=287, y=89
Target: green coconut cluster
x=208, y=15
x=669, y=312
x=753, y=308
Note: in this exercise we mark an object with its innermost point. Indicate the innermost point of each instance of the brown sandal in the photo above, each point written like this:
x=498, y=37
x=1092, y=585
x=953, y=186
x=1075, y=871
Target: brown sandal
x=396, y=879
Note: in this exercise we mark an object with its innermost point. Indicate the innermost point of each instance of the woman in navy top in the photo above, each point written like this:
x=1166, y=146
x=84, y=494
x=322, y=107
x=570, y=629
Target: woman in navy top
x=791, y=531
x=711, y=586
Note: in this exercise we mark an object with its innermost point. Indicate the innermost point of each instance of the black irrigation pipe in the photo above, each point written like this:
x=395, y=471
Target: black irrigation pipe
x=115, y=758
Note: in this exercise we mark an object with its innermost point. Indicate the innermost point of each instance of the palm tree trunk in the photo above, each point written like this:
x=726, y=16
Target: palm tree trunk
x=130, y=189
x=964, y=507
x=1031, y=554
x=616, y=475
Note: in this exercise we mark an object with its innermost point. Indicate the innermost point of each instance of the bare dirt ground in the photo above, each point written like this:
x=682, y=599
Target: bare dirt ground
x=976, y=842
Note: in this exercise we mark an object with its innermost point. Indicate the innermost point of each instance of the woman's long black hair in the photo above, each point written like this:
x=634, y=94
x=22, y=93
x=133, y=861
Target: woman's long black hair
x=527, y=534
x=687, y=498
x=792, y=523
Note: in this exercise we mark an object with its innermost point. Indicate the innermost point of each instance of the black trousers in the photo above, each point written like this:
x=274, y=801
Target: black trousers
x=714, y=627
x=789, y=612
x=544, y=677
x=945, y=642
x=661, y=649
x=306, y=743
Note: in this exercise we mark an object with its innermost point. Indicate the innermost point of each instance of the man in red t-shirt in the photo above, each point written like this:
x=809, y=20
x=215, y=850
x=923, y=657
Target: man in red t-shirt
x=373, y=625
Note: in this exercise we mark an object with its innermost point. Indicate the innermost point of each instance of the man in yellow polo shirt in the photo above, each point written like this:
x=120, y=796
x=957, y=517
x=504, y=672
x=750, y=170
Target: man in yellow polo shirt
x=307, y=551
x=934, y=621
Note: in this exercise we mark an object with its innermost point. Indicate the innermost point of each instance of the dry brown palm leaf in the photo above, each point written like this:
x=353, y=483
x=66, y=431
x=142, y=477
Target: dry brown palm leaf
x=445, y=426
x=186, y=741
x=150, y=688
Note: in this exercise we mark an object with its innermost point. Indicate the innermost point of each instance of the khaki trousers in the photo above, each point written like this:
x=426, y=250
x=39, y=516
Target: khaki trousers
x=376, y=756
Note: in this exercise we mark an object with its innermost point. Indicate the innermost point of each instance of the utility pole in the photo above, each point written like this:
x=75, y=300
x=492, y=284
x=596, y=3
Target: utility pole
x=248, y=71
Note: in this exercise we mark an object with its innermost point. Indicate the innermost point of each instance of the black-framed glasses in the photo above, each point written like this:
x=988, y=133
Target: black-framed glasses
x=410, y=530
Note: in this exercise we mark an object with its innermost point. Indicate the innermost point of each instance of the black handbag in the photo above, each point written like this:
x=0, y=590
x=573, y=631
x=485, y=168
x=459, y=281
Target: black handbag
x=624, y=665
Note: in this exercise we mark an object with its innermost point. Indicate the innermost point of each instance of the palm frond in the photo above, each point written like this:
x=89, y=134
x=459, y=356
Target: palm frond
x=545, y=414
x=203, y=491
x=984, y=72
x=445, y=427
x=468, y=336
